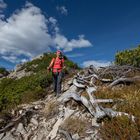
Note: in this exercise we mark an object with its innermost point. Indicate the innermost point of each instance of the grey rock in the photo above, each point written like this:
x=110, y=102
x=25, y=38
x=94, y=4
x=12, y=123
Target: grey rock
x=76, y=136
x=35, y=138
x=37, y=107
x=20, y=128
x=87, y=138
x=94, y=136
x=67, y=84
x=34, y=121
x=18, y=67
x=89, y=131
x=8, y=136
x=94, y=123
x=1, y=135
x=1, y=75
x=77, y=114
x=19, y=74
x=88, y=115
x=70, y=82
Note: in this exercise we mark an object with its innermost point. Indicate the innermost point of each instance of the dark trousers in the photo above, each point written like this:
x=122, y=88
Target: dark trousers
x=57, y=80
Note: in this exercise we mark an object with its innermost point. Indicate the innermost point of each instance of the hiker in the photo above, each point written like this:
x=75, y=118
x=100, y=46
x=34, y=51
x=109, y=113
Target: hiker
x=57, y=65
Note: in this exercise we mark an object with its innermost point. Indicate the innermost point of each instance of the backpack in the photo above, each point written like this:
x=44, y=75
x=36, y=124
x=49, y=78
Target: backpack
x=60, y=59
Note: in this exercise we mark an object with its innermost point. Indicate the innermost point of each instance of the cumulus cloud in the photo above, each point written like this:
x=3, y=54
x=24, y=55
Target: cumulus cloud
x=62, y=10
x=68, y=45
x=3, y=5
x=75, y=55
x=14, y=59
x=96, y=63
x=25, y=32
x=28, y=32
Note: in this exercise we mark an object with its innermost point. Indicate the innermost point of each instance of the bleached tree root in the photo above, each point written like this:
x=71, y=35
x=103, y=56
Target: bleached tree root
x=92, y=104
x=124, y=81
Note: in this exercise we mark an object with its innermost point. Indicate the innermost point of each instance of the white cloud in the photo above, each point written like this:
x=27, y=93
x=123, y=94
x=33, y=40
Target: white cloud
x=23, y=60
x=28, y=32
x=25, y=32
x=75, y=55
x=62, y=10
x=68, y=45
x=96, y=63
x=3, y=5
x=14, y=59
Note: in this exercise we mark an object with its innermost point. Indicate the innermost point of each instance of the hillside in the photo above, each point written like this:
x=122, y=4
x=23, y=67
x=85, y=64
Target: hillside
x=29, y=81
x=95, y=104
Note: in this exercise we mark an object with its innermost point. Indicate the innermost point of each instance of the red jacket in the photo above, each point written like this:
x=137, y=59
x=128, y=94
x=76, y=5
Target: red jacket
x=57, y=64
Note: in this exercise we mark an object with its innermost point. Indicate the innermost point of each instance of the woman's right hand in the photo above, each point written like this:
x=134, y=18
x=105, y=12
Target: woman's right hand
x=48, y=68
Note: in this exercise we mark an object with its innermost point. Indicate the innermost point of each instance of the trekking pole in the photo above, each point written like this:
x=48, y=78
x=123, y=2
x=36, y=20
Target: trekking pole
x=48, y=70
x=63, y=75
x=62, y=84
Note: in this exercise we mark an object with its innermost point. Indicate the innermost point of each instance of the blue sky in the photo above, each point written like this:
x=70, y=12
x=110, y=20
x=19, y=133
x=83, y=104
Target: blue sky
x=87, y=31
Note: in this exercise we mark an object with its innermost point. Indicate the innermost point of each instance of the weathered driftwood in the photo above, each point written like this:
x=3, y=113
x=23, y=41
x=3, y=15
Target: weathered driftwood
x=106, y=80
x=112, y=114
x=124, y=81
x=93, y=104
x=116, y=71
x=78, y=98
x=104, y=100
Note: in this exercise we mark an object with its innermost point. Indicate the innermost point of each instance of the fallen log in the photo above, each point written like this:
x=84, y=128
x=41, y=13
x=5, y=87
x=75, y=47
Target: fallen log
x=110, y=113
x=124, y=81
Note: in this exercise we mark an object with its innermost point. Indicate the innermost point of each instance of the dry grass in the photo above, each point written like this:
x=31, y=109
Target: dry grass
x=51, y=110
x=76, y=125
x=122, y=128
x=85, y=94
x=130, y=95
x=133, y=73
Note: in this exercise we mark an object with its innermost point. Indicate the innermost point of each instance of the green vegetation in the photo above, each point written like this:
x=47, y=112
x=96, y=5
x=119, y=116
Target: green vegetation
x=29, y=88
x=41, y=64
x=128, y=57
x=13, y=92
x=3, y=71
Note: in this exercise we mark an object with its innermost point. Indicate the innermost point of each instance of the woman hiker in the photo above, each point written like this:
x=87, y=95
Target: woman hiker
x=57, y=65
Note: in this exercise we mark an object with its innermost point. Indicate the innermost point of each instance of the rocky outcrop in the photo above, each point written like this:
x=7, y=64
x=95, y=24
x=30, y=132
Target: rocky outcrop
x=1, y=75
x=17, y=74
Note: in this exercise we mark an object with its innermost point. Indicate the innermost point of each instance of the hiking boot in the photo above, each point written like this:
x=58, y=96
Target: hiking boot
x=57, y=95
